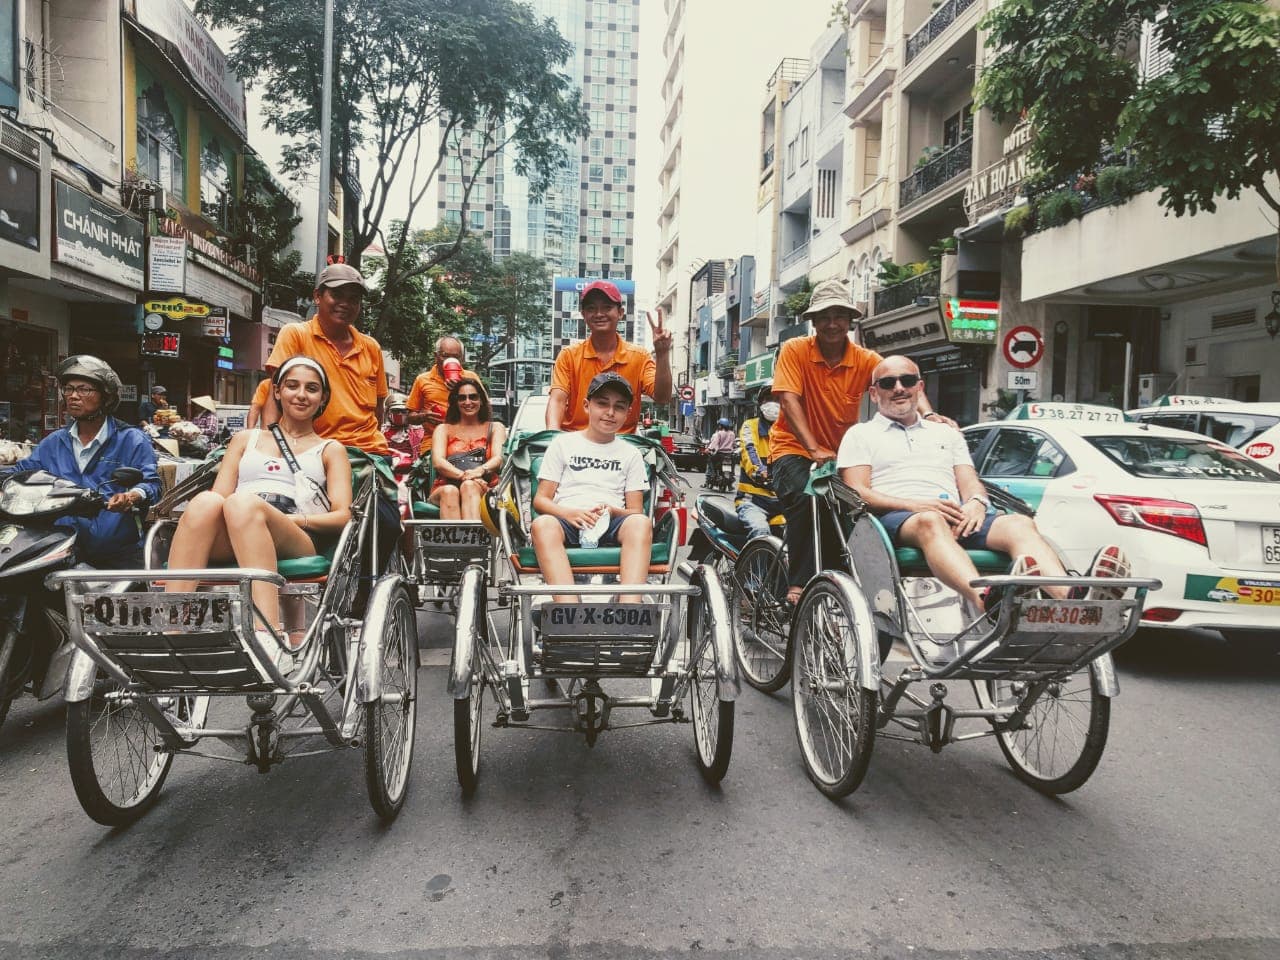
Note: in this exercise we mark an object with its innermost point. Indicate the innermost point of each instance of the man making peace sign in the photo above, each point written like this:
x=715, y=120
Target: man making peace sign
x=604, y=350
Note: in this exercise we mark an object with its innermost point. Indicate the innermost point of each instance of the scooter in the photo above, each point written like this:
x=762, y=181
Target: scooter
x=719, y=536
x=35, y=645
x=722, y=476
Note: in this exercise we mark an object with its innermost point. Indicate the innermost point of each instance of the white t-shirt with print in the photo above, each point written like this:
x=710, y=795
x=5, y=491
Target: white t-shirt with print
x=590, y=473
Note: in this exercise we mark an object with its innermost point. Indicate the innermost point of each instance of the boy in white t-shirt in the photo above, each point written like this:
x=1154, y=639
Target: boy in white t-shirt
x=589, y=475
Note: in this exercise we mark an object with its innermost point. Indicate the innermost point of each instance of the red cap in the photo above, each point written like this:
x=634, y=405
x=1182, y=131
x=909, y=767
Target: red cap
x=451, y=368
x=604, y=286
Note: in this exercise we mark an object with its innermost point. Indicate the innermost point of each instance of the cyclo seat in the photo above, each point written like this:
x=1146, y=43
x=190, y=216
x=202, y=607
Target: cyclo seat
x=723, y=518
x=525, y=461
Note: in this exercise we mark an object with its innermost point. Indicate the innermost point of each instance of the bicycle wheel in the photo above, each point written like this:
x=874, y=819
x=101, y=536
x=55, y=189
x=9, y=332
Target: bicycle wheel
x=761, y=621
x=467, y=710
x=835, y=715
x=712, y=717
x=1061, y=741
x=391, y=721
x=115, y=767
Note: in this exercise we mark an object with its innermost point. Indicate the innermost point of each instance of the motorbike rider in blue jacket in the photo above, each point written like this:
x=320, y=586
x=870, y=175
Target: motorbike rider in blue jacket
x=87, y=452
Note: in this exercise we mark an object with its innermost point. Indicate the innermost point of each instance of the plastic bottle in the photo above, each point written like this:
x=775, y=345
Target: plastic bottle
x=590, y=539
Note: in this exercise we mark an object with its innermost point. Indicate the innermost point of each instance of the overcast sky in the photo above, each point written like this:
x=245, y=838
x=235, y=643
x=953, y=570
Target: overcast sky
x=794, y=27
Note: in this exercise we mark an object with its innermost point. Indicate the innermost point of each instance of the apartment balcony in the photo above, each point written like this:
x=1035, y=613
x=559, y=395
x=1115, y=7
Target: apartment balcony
x=935, y=27
x=865, y=91
x=793, y=265
x=906, y=293
x=941, y=170
x=725, y=367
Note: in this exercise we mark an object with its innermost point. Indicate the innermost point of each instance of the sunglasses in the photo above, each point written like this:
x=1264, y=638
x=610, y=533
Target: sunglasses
x=908, y=380
x=468, y=396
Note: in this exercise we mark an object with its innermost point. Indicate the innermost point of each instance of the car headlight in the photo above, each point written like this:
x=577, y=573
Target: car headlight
x=38, y=493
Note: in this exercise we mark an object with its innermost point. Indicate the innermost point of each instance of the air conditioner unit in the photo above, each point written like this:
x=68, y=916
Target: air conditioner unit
x=157, y=200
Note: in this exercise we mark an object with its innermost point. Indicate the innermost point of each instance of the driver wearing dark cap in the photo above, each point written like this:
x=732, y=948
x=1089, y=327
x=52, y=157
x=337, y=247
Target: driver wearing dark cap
x=605, y=351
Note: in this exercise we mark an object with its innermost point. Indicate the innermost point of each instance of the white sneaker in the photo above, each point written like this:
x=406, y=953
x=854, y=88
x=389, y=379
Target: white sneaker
x=1110, y=561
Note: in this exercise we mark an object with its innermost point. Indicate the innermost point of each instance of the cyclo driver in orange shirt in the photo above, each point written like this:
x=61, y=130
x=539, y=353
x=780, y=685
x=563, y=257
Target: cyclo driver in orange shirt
x=604, y=350
x=819, y=382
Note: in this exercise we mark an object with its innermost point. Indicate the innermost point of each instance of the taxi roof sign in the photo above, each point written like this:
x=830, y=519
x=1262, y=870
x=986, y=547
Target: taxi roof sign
x=1177, y=400
x=1068, y=413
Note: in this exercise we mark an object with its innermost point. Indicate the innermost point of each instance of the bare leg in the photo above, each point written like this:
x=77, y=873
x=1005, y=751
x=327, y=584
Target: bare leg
x=449, y=500
x=200, y=537
x=636, y=538
x=946, y=558
x=472, y=492
x=260, y=534
x=1015, y=535
x=553, y=559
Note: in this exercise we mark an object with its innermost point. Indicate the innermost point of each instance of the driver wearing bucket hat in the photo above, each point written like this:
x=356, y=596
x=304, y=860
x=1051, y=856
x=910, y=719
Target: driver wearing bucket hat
x=819, y=382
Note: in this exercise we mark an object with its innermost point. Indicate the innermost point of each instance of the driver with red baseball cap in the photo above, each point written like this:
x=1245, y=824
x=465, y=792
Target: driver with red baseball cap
x=605, y=351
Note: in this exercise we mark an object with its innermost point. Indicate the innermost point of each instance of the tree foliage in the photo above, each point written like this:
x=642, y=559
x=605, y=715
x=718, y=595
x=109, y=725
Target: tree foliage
x=1204, y=129
x=265, y=220
x=416, y=82
x=486, y=304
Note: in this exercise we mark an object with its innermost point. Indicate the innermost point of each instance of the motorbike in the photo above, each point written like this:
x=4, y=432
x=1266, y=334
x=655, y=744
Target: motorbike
x=723, y=472
x=719, y=536
x=35, y=645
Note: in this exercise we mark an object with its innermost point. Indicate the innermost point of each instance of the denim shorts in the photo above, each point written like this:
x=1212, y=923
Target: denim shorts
x=894, y=519
x=608, y=539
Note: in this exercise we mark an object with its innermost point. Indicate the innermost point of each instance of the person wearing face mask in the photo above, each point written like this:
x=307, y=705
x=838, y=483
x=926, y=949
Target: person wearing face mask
x=757, y=505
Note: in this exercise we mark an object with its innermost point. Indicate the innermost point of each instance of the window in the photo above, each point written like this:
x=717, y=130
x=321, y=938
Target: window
x=215, y=185
x=622, y=122
x=159, y=146
x=624, y=40
x=958, y=126
x=1168, y=458
x=597, y=146
x=452, y=218
x=475, y=220
x=453, y=191
x=599, y=94
x=595, y=173
x=622, y=69
x=974, y=439
x=479, y=193
x=791, y=158
x=478, y=142
x=8, y=55
x=452, y=166
x=595, y=226
x=600, y=66
x=600, y=39
x=593, y=252
x=804, y=146
x=619, y=255
x=624, y=13
x=620, y=173
x=599, y=11
x=597, y=120
x=862, y=279
x=1022, y=453
x=618, y=200
x=594, y=199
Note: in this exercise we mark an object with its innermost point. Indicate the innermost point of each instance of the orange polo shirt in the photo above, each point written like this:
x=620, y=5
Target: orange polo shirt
x=262, y=391
x=831, y=395
x=430, y=389
x=578, y=365
x=357, y=382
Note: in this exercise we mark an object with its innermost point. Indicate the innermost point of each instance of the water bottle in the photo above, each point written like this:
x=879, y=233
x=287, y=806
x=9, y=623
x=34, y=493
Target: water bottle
x=590, y=539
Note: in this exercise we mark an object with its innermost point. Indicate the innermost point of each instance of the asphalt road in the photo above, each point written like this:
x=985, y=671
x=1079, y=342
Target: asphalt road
x=1170, y=851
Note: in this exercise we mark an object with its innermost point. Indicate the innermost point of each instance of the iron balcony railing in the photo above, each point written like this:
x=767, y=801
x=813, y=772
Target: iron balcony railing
x=725, y=367
x=935, y=26
x=907, y=292
x=943, y=168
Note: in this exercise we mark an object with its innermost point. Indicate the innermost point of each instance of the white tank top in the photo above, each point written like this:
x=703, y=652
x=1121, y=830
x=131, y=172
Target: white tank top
x=263, y=473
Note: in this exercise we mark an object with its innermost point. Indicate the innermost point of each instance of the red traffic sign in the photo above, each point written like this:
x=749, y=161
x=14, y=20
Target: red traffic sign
x=1023, y=347
x=686, y=393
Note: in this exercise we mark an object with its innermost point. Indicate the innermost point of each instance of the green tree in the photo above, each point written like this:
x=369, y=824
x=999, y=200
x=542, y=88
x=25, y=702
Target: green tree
x=1203, y=129
x=482, y=76
x=265, y=220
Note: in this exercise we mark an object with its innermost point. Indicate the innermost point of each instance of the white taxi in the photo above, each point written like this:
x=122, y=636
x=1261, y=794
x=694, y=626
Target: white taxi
x=1251, y=427
x=1193, y=512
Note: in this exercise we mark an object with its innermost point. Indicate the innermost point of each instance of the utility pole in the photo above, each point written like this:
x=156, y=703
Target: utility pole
x=326, y=120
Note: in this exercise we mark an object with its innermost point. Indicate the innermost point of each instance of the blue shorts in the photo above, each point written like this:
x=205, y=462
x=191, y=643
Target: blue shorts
x=609, y=539
x=894, y=519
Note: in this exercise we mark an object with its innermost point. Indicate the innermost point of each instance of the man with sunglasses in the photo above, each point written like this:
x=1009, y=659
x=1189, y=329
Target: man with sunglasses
x=819, y=382
x=918, y=477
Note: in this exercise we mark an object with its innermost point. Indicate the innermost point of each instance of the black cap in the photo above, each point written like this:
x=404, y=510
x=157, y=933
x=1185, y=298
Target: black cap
x=609, y=379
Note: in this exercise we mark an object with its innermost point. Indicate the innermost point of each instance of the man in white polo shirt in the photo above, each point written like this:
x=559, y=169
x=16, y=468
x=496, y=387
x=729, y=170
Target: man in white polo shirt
x=917, y=476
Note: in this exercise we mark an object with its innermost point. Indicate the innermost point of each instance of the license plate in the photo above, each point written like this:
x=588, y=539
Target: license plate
x=147, y=612
x=1069, y=616
x=575, y=621
x=1271, y=545
x=454, y=535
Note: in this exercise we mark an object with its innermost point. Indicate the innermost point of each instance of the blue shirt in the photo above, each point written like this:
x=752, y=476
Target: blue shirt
x=109, y=539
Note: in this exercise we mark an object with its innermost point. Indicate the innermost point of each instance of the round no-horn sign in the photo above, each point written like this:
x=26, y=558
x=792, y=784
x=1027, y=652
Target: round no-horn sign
x=1023, y=347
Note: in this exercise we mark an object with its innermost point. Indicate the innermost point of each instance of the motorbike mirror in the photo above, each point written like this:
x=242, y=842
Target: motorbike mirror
x=126, y=476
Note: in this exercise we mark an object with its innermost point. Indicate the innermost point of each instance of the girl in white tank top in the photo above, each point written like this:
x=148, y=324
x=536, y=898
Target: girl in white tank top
x=239, y=520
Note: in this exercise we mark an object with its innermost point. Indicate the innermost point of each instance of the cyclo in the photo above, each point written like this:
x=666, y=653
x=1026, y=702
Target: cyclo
x=554, y=660
x=149, y=664
x=1040, y=669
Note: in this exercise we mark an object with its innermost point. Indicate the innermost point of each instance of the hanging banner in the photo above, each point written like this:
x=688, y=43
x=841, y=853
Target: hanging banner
x=166, y=264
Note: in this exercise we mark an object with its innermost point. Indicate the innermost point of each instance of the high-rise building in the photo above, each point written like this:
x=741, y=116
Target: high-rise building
x=583, y=226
